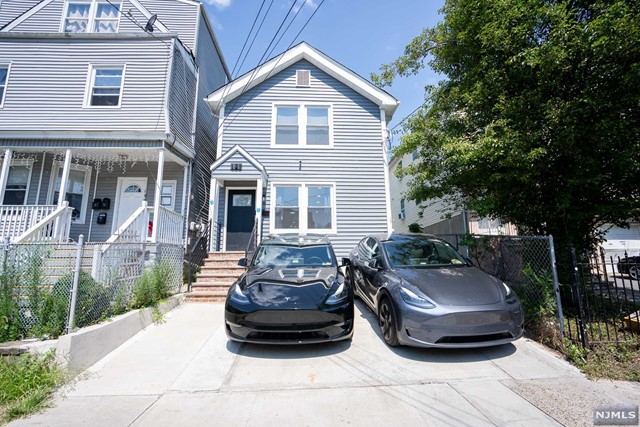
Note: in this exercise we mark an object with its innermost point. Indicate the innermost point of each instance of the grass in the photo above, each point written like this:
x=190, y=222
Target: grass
x=26, y=384
x=613, y=361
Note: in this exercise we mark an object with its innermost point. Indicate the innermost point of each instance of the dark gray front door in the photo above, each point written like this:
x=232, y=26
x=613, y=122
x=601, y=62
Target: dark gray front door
x=240, y=218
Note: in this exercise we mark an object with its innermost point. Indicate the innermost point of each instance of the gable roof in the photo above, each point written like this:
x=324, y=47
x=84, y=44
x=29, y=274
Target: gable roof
x=244, y=153
x=35, y=9
x=302, y=51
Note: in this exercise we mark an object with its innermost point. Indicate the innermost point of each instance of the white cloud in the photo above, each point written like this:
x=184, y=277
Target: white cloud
x=311, y=4
x=220, y=4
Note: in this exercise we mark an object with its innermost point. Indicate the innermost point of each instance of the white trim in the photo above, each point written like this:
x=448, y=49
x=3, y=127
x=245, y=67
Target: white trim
x=196, y=37
x=387, y=191
x=303, y=51
x=259, y=208
x=244, y=153
x=302, y=124
x=21, y=162
x=19, y=20
x=6, y=82
x=226, y=208
x=87, y=182
x=148, y=14
x=174, y=184
x=303, y=205
x=116, y=204
x=4, y=172
x=91, y=80
x=167, y=90
x=91, y=20
x=220, y=132
x=156, y=196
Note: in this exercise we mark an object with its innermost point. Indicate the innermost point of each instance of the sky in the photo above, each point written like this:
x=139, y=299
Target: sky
x=360, y=34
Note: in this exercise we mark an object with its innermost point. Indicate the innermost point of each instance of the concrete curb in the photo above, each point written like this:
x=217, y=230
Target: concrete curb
x=84, y=347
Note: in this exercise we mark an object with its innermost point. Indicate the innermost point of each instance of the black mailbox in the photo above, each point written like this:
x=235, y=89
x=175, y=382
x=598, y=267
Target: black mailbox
x=106, y=203
x=102, y=218
x=97, y=204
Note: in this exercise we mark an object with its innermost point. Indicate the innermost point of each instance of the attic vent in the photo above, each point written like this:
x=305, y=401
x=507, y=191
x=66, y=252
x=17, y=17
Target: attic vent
x=302, y=78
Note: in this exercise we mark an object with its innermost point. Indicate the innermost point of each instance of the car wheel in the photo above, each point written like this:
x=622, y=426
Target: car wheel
x=350, y=278
x=633, y=271
x=387, y=322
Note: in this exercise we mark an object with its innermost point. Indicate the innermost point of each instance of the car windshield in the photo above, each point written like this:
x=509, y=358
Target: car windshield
x=422, y=253
x=293, y=256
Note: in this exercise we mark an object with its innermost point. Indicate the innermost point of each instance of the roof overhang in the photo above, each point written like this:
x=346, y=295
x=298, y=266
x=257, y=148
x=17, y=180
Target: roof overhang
x=226, y=93
x=244, y=153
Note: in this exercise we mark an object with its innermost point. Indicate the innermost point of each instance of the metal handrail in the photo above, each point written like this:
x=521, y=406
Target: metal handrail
x=197, y=253
x=253, y=240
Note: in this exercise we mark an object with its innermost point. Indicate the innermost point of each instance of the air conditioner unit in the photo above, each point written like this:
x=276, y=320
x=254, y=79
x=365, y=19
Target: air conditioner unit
x=401, y=215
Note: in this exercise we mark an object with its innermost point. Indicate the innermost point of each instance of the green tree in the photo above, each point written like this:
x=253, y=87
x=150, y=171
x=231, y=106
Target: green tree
x=537, y=118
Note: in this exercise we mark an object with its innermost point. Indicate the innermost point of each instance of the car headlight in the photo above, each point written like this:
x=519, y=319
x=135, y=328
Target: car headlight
x=412, y=298
x=238, y=296
x=340, y=294
x=509, y=296
x=507, y=289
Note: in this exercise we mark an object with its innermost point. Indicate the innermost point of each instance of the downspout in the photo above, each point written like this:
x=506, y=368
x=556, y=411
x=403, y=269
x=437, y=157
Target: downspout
x=387, y=191
x=44, y=158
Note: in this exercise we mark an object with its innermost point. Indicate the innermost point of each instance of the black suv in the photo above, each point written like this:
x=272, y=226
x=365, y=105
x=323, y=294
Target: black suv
x=292, y=293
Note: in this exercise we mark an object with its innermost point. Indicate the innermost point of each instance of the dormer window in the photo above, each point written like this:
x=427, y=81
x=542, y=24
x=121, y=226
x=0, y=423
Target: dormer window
x=97, y=16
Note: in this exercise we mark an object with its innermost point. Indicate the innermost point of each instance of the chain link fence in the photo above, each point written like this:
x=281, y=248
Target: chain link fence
x=37, y=283
x=525, y=263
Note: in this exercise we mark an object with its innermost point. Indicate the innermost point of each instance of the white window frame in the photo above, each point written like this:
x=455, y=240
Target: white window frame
x=303, y=206
x=55, y=169
x=174, y=185
x=29, y=164
x=302, y=125
x=6, y=83
x=93, y=9
x=91, y=77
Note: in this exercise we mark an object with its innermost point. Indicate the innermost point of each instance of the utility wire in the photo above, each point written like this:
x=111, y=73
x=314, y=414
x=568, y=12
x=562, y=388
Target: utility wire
x=407, y=116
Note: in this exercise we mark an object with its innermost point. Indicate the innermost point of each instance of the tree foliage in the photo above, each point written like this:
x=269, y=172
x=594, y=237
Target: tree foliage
x=537, y=119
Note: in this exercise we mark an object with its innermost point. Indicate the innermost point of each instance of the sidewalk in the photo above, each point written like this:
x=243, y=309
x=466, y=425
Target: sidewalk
x=185, y=372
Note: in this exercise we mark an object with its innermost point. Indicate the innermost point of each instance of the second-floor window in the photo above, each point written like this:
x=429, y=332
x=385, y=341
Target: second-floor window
x=4, y=75
x=302, y=125
x=106, y=86
x=97, y=16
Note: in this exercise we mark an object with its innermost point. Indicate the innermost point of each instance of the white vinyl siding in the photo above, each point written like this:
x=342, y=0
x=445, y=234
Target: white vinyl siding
x=106, y=86
x=306, y=125
x=303, y=208
x=97, y=16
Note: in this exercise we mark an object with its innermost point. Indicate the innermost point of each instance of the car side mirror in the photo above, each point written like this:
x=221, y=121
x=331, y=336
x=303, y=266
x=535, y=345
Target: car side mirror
x=469, y=261
x=242, y=262
x=375, y=263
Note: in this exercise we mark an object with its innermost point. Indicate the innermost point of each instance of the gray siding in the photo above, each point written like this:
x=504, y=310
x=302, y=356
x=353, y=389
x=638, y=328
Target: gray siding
x=178, y=17
x=211, y=77
x=46, y=20
x=355, y=164
x=49, y=77
x=11, y=9
x=182, y=94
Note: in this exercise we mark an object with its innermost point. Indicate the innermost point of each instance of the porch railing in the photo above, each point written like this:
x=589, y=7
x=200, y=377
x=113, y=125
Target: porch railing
x=170, y=226
x=54, y=227
x=197, y=253
x=253, y=242
x=15, y=220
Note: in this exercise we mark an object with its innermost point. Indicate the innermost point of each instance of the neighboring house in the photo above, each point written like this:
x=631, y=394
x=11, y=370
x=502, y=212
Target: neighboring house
x=438, y=216
x=621, y=241
x=106, y=118
x=302, y=148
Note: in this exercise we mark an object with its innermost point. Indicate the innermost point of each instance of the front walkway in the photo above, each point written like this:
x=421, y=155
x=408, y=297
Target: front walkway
x=185, y=372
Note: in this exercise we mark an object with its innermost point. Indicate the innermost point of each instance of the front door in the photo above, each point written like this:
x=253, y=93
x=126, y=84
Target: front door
x=131, y=194
x=241, y=215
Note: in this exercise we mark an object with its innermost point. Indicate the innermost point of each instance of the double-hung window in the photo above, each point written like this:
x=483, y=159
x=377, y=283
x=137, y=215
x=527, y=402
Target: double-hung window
x=105, y=86
x=77, y=193
x=91, y=16
x=303, y=208
x=4, y=76
x=17, y=187
x=307, y=125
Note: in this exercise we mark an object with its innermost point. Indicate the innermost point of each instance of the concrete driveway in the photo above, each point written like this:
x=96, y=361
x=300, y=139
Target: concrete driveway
x=185, y=372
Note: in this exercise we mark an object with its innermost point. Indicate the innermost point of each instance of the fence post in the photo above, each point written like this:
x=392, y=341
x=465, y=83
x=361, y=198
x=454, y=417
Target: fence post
x=556, y=285
x=5, y=253
x=76, y=279
x=576, y=278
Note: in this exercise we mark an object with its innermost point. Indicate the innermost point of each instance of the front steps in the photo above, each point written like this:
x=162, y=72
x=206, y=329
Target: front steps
x=219, y=271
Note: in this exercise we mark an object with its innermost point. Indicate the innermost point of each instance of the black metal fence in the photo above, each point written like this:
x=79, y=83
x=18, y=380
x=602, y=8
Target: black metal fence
x=602, y=302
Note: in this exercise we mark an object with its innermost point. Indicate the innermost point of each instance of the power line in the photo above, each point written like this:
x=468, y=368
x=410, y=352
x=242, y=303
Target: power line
x=407, y=116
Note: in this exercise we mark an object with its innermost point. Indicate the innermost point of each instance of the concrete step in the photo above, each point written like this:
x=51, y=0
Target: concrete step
x=225, y=256
x=207, y=274
x=206, y=297
x=207, y=287
x=216, y=281
x=217, y=263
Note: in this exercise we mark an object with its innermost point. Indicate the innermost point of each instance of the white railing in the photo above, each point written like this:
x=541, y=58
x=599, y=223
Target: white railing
x=134, y=230
x=17, y=219
x=54, y=227
x=170, y=227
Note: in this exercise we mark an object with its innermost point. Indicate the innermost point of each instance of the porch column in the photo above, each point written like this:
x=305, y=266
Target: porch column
x=259, y=209
x=213, y=208
x=157, y=196
x=4, y=174
x=62, y=193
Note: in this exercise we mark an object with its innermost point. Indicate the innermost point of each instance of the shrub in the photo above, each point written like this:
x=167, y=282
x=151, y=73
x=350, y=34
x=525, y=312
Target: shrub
x=10, y=325
x=154, y=285
x=414, y=227
x=92, y=300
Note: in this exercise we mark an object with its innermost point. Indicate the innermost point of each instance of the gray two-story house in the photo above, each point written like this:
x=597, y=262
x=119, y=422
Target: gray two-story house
x=102, y=113
x=302, y=149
